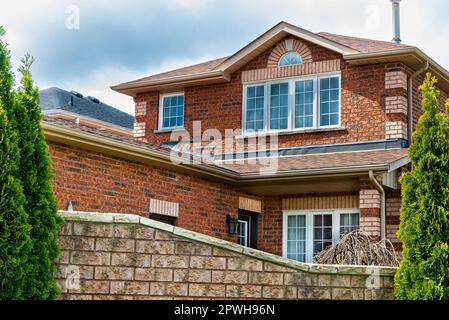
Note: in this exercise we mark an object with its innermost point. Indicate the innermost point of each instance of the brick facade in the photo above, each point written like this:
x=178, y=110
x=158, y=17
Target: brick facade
x=369, y=209
x=374, y=102
x=101, y=183
x=138, y=259
x=220, y=105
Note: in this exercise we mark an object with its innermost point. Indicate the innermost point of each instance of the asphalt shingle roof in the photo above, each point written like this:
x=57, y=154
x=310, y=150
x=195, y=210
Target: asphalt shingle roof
x=185, y=71
x=288, y=163
x=361, y=45
x=56, y=99
x=320, y=161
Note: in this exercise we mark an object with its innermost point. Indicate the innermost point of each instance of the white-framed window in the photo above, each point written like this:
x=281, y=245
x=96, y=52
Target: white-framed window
x=171, y=111
x=307, y=232
x=290, y=58
x=349, y=222
x=292, y=104
x=243, y=232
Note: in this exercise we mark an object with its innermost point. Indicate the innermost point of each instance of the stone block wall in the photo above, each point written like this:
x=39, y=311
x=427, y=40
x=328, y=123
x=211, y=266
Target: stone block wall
x=115, y=256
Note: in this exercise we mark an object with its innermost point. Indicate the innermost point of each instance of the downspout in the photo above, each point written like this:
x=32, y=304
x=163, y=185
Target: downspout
x=410, y=101
x=383, y=227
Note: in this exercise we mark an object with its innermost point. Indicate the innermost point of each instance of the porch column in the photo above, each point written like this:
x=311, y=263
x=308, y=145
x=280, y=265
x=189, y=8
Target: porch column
x=369, y=203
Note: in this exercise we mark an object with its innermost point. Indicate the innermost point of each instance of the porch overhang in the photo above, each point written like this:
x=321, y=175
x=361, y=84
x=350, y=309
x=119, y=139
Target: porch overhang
x=323, y=180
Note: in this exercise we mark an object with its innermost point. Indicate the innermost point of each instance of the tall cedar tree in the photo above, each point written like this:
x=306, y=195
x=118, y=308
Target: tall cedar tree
x=424, y=227
x=15, y=243
x=36, y=177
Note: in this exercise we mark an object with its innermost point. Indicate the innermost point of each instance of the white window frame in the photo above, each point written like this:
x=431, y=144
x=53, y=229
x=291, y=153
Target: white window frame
x=292, y=96
x=247, y=232
x=161, y=111
x=287, y=53
x=309, y=214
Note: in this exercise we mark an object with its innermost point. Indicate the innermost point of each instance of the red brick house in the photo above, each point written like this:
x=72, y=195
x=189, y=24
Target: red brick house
x=335, y=113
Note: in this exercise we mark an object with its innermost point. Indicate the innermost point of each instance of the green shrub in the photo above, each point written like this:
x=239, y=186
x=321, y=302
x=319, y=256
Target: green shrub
x=424, y=226
x=36, y=177
x=15, y=244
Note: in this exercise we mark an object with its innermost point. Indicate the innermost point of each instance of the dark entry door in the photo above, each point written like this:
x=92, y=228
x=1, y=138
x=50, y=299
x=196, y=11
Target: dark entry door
x=247, y=229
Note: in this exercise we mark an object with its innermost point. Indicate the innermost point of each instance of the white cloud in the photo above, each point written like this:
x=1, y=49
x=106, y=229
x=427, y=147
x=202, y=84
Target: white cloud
x=97, y=84
x=423, y=24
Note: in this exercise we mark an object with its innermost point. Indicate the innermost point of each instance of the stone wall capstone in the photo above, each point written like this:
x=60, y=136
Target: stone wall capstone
x=121, y=256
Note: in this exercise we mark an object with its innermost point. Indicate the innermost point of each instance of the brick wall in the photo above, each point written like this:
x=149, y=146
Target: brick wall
x=369, y=208
x=113, y=256
x=393, y=208
x=220, y=105
x=101, y=183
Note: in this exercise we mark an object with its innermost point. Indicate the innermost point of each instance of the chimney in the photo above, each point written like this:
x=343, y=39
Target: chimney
x=396, y=21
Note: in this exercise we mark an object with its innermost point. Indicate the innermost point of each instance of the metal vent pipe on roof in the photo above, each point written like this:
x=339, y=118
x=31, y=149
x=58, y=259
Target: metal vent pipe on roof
x=396, y=21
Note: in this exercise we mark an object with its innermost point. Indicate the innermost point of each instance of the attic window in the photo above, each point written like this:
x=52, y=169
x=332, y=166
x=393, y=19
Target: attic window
x=290, y=58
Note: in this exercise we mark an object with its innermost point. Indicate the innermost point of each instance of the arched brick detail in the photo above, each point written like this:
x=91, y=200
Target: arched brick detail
x=281, y=48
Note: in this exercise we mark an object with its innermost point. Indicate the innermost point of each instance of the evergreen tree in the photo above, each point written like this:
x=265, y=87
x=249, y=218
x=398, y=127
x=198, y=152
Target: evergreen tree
x=424, y=227
x=36, y=177
x=15, y=244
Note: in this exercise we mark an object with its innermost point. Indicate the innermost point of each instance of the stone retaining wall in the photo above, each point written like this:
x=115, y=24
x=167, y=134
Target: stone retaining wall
x=117, y=256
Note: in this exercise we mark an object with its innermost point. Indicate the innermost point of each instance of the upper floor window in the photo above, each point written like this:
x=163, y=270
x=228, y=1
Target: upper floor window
x=171, y=111
x=292, y=104
x=290, y=58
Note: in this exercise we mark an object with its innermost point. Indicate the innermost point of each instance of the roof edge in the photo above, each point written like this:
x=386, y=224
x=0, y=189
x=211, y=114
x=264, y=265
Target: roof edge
x=418, y=53
x=130, y=86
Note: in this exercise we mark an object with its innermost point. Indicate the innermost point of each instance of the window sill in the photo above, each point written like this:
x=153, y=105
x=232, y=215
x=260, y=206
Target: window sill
x=168, y=130
x=290, y=132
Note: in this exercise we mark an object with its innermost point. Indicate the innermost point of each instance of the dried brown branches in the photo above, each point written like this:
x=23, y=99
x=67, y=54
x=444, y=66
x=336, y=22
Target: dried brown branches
x=357, y=248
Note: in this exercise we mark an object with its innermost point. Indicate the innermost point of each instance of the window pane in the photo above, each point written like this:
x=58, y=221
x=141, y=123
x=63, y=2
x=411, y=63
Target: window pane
x=304, y=104
x=324, y=120
x=296, y=237
x=173, y=111
x=279, y=106
x=324, y=84
x=251, y=92
x=333, y=119
x=348, y=222
x=290, y=59
x=329, y=101
x=255, y=96
x=322, y=233
x=334, y=82
x=242, y=235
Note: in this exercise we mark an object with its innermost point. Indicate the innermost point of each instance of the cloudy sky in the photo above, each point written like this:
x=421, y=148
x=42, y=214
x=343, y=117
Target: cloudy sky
x=115, y=41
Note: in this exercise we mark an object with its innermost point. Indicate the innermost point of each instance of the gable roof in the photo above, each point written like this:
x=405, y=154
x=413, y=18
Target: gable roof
x=54, y=100
x=354, y=50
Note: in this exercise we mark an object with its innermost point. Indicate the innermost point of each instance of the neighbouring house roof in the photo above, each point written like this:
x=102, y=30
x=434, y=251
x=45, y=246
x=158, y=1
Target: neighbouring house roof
x=354, y=50
x=55, y=100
